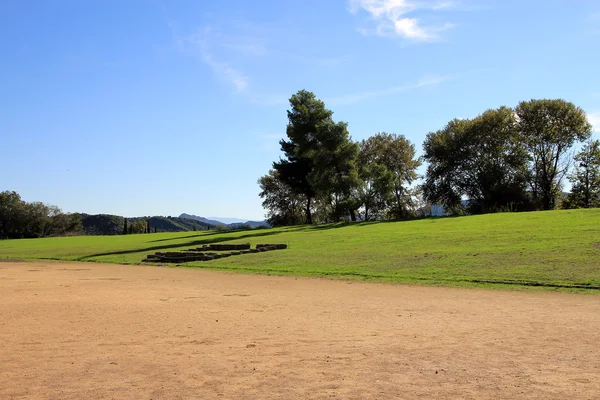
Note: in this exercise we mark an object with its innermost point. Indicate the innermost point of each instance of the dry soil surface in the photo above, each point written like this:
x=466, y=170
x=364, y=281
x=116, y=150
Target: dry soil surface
x=93, y=331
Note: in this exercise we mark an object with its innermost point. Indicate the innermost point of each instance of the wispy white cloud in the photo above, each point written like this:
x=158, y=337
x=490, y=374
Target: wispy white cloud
x=395, y=17
x=200, y=42
x=228, y=47
x=427, y=80
x=594, y=119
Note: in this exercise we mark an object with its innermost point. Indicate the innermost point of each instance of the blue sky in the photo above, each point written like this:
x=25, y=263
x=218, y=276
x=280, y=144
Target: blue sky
x=163, y=107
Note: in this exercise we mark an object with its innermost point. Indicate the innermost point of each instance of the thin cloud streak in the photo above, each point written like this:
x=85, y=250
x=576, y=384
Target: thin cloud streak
x=222, y=69
x=391, y=18
x=430, y=80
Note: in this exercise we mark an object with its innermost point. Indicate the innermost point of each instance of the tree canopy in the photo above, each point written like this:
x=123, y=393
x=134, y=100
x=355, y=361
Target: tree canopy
x=20, y=219
x=549, y=129
x=306, y=117
x=334, y=176
x=480, y=159
x=502, y=160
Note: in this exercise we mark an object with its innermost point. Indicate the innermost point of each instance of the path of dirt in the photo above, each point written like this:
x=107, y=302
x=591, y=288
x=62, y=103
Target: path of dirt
x=93, y=331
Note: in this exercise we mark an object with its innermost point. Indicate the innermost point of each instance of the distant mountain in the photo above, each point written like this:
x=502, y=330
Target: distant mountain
x=229, y=222
x=202, y=219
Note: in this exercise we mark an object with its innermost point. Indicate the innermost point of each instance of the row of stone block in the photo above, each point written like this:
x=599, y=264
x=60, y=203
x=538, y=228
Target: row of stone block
x=223, y=247
x=190, y=255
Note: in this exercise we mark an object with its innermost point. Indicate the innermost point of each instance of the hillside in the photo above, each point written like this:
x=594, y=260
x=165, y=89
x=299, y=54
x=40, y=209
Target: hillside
x=102, y=224
x=106, y=224
x=557, y=247
x=232, y=225
x=201, y=219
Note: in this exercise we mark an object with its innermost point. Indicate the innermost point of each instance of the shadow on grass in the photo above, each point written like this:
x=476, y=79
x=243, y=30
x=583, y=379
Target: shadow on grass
x=365, y=223
x=208, y=233
x=185, y=244
x=212, y=233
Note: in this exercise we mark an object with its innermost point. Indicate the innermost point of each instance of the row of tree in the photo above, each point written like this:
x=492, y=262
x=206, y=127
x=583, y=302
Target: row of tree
x=325, y=176
x=20, y=219
x=504, y=159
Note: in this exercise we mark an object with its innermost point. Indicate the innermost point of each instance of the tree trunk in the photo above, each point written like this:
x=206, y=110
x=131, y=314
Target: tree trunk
x=352, y=215
x=308, y=214
x=398, y=204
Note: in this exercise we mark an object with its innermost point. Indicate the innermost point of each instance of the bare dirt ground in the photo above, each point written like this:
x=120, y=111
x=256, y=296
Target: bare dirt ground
x=92, y=331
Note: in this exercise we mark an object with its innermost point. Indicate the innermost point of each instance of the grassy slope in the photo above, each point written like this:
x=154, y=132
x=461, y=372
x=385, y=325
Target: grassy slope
x=552, y=247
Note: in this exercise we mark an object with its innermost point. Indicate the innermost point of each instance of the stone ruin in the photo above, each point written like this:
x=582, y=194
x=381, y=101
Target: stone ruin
x=209, y=252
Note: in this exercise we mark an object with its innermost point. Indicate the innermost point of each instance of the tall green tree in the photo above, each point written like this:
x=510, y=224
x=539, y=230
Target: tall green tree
x=374, y=191
x=398, y=156
x=480, y=159
x=11, y=210
x=334, y=173
x=306, y=116
x=585, y=179
x=549, y=129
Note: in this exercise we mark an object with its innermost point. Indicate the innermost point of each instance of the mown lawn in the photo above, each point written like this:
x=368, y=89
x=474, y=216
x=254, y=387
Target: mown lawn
x=559, y=247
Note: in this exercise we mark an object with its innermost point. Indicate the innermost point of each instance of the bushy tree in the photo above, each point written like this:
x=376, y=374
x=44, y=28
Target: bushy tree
x=376, y=185
x=334, y=175
x=397, y=155
x=138, y=226
x=549, y=129
x=20, y=219
x=480, y=159
x=285, y=206
x=11, y=210
x=585, y=179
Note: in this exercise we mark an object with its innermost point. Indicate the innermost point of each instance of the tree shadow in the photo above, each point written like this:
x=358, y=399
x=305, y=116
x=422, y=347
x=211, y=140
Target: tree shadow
x=336, y=225
x=186, y=244
x=212, y=233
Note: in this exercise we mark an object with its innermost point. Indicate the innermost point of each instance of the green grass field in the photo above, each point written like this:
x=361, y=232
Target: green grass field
x=557, y=247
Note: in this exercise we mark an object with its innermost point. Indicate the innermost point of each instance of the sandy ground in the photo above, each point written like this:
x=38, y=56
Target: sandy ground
x=92, y=331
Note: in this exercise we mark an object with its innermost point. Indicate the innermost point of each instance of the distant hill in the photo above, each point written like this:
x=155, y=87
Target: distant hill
x=252, y=224
x=102, y=224
x=228, y=221
x=202, y=219
x=106, y=224
x=176, y=224
x=235, y=222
